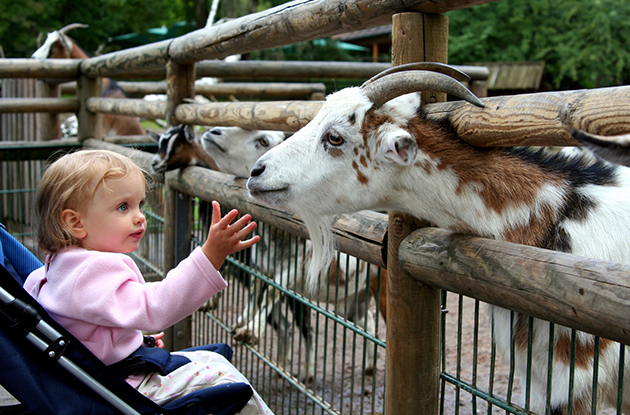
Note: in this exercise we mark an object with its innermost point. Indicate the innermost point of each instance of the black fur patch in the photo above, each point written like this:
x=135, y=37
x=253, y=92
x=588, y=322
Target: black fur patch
x=578, y=171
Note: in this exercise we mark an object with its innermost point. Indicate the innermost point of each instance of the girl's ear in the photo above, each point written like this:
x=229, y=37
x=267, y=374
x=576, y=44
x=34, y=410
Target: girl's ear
x=71, y=220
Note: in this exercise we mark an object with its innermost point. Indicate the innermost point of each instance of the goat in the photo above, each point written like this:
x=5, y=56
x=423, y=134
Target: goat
x=234, y=150
x=615, y=149
x=370, y=147
x=178, y=147
x=59, y=45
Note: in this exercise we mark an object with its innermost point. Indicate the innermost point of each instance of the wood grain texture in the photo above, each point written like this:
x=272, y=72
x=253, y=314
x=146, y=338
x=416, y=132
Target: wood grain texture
x=35, y=68
x=13, y=105
x=538, y=119
x=278, y=115
x=583, y=293
x=135, y=107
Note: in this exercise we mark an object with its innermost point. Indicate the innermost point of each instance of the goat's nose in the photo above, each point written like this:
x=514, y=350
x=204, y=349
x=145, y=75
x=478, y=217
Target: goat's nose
x=257, y=170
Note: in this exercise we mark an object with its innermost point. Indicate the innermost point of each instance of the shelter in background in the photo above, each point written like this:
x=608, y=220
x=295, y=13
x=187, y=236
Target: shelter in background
x=510, y=78
x=378, y=39
x=506, y=78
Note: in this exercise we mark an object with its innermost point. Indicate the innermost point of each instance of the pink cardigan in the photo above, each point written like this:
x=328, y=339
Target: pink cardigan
x=102, y=299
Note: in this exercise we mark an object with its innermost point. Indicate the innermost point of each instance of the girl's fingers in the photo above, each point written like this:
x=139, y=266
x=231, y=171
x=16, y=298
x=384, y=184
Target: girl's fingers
x=216, y=212
x=250, y=242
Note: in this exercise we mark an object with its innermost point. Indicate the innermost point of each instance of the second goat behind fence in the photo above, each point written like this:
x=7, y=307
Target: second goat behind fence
x=369, y=147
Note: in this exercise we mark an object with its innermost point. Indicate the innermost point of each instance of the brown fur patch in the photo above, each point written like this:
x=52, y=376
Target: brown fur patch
x=363, y=161
x=362, y=178
x=535, y=231
x=584, y=351
x=335, y=152
x=521, y=331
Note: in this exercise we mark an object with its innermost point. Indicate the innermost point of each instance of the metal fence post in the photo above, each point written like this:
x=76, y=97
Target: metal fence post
x=177, y=245
x=413, y=311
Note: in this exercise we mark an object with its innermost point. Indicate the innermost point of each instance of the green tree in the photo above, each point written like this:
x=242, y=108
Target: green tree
x=584, y=43
x=23, y=21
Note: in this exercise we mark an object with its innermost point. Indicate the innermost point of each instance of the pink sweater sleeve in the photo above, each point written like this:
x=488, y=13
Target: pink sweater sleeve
x=122, y=299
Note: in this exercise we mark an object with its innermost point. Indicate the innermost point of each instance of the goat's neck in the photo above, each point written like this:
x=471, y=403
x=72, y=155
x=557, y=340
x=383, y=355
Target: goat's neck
x=487, y=192
x=203, y=156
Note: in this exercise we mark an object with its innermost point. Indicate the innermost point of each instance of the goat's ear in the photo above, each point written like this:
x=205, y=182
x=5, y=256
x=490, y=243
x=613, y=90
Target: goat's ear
x=399, y=146
x=189, y=133
x=154, y=136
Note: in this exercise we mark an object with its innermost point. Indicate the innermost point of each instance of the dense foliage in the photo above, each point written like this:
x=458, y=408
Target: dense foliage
x=584, y=43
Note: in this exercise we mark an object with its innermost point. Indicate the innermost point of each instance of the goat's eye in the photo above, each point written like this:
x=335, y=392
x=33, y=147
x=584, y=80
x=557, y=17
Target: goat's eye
x=334, y=139
x=263, y=142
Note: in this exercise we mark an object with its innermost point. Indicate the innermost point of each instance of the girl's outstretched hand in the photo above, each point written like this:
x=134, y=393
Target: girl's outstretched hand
x=225, y=239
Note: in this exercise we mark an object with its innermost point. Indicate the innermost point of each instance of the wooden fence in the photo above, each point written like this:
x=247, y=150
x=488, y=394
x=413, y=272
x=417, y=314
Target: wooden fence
x=420, y=33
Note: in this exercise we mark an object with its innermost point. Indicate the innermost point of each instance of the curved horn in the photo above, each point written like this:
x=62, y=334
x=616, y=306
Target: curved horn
x=64, y=30
x=396, y=84
x=424, y=66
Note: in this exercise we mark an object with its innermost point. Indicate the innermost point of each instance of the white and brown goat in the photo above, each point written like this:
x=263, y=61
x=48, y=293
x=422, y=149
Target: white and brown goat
x=59, y=45
x=368, y=149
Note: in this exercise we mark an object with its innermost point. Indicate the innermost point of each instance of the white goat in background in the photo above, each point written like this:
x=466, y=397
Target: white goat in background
x=235, y=150
x=367, y=150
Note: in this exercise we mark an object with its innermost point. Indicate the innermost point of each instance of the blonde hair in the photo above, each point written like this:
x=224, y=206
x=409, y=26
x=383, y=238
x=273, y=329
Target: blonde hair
x=70, y=183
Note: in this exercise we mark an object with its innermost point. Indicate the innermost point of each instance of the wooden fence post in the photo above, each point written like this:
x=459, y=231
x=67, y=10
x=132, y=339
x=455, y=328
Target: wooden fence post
x=177, y=240
x=48, y=125
x=180, y=85
x=413, y=311
x=90, y=123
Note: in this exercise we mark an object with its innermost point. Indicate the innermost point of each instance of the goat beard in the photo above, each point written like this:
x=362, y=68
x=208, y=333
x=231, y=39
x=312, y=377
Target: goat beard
x=323, y=241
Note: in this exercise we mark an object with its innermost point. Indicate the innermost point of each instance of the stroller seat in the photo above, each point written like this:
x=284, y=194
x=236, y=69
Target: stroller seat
x=51, y=372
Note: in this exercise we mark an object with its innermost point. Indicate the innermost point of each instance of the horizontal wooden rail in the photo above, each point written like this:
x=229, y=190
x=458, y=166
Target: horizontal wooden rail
x=541, y=119
x=578, y=292
x=135, y=107
x=286, y=24
x=308, y=70
x=38, y=105
x=530, y=119
x=35, y=68
x=141, y=158
x=140, y=89
x=277, y=115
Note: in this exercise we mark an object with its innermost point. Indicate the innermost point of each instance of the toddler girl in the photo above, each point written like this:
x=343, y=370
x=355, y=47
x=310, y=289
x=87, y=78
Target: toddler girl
x=89, y=213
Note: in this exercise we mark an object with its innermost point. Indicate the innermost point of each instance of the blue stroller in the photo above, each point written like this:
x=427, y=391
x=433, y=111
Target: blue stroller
x=50, y=372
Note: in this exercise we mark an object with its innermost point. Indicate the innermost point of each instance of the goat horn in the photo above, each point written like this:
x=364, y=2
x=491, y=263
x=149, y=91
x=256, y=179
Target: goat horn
x=400, y=83
x=425, y=66
x=72, y=26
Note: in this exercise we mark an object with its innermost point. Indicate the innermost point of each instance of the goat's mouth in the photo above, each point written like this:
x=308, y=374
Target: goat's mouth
x=272, y=196
x=210, y=141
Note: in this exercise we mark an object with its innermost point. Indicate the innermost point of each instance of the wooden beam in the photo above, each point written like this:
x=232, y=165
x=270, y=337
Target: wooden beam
x=55, y=105
x=543, y=119
x=538, y=119
x=286, y=24
x=279, y=115
x=140, y=89
x=413, y=311
x=35, y=68
x=588, y=294
x=134, y=107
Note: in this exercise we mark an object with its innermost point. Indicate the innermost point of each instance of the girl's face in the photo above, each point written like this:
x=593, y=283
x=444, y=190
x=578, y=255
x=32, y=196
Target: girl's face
x=114, y=220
